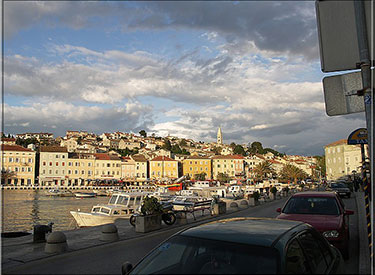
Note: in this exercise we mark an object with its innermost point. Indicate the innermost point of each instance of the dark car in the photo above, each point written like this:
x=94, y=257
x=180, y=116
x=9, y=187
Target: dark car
x=242, y=245
x=341, y=188
x=325, y=211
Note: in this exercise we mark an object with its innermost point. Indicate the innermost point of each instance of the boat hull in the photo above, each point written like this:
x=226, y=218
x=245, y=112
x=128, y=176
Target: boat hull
x=91, y=219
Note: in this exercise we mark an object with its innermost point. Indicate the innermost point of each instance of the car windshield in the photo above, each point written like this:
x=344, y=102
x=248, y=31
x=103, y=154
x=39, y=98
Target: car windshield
x=338, y=185
x=188, y=255
x=312, y=205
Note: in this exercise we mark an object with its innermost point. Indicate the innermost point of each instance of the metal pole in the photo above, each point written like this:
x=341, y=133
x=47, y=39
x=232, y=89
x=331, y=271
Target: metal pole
x=365, y=67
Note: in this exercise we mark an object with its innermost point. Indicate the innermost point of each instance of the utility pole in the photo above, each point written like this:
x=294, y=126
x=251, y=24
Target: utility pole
x=368, y=93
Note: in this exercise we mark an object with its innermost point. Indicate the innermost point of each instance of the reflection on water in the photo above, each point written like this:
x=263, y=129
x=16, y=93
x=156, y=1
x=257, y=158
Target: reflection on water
x=22, y=209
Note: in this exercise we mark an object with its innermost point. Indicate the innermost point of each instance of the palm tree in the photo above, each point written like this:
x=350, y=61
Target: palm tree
x=291, y=172
x=5, y=175
x=262, y=170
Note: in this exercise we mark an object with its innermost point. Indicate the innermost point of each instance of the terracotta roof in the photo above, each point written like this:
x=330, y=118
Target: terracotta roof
x=8, y=139
x=105, y=156
x=139, y=158
x=338, y=142
x=53, y=149
x=228, y=157
x=162, y=158
x=5, y=147
x=197, y=157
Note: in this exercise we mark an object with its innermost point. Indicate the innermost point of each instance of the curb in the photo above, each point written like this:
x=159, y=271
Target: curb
x=364, y=253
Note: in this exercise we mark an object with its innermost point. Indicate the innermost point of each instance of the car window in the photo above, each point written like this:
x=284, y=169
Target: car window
x=341, y=202
x=312, y=206
x=313, y=252
x=295, y=262
x=201, y=256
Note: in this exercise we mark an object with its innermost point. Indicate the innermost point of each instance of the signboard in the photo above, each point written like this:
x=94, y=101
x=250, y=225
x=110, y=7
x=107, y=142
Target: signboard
x=340, y=94
x=359, y=136
x=338, y=34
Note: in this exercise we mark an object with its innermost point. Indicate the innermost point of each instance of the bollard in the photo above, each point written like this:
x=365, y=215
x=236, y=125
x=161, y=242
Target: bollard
x=56, y=243
x=244, y=203
x=40, y=232
x=109, y=233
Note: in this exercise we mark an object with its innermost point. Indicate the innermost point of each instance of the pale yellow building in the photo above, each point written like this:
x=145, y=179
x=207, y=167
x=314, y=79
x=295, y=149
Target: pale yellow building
x=141, y=167
x=80, y=169
x=232, y=165
x=194, y=165
x=107, y=166
x=53, y=165
x=342, y=159
x=19, y=164
x=128, y=169
x=163, y=167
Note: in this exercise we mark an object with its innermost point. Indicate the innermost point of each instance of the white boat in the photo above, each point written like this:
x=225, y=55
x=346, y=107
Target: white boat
x=85, y=195
x=55, y=192
x=121, y=205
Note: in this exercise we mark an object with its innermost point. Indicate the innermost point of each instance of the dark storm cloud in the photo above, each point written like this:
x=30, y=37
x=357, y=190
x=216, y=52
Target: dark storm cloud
x=281, y=27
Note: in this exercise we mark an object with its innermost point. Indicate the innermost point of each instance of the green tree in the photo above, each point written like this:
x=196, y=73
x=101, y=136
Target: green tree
x=216, y=150
x=176, y=149
x=143, y=133
x=256, y=148
x=232, y=145
x=167, y=145
x=263, y=170
x=321, y=165
x=222, y=177
x=290, y=172
x=183, y=143
x=26, y=142
x=5, y=175
x=276, y=153
x=79, y=140
x=239, y=150
x=185, y=152
x=201, y=176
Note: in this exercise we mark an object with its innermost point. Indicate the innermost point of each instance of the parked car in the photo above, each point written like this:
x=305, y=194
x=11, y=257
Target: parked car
x=242, y=245
x=341, y=188
x=325, y=211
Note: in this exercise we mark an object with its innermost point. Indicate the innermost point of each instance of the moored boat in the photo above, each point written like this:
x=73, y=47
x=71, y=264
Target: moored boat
x=85, y=194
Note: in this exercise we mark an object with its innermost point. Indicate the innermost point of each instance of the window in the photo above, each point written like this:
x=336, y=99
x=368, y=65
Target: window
x=89, y=173
x=56, y=172
x=338, y=150
x=70, y=163
x=23, y=169
x=57, y=156
x=15, y=169
x=57, y=164
x=29, y=169
x=44, y=171
x=10, y=159
x=44, y=163
x=76, y=172
x=50, y=172
x=17, y=160
x=63, y=163
x=31, y=160
x=295, y=262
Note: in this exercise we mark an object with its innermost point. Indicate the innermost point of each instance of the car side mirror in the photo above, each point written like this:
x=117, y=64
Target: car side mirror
x=278, y=210
x=126, y=267
x=349, y=212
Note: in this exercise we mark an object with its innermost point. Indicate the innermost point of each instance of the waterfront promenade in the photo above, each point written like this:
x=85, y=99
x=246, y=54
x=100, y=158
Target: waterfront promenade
x=88, y=255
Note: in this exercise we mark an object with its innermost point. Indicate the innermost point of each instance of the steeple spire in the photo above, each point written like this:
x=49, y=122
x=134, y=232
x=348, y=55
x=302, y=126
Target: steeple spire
x=219, y=136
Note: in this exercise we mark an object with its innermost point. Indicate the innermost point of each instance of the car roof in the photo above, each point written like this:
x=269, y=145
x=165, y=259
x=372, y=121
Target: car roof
x=315, y=194
x=251, y=231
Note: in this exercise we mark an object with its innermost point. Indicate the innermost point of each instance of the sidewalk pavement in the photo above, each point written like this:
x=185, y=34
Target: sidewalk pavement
x=17, y=251
x=364, y=252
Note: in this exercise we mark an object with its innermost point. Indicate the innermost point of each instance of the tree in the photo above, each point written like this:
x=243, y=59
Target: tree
x=239, y=150
x=167, y=145
x=290, y=172
x=216, y=150
x=321, y=164
x=276, y=153
x=183, y=143
x=232, y=145
x=222, y=177
x=5, y=175
x=256, y=148
x=143, y=133
x=79, y=140
x=26, y=142
x=201, y=176
x=176, y=149
x=263, y=170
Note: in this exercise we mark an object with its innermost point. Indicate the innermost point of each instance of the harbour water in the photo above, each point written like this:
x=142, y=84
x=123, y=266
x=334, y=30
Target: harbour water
x=22, y=209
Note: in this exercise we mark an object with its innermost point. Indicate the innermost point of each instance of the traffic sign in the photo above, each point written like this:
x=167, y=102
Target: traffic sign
x=358, y=136
x=340, y=94
x=338, y=41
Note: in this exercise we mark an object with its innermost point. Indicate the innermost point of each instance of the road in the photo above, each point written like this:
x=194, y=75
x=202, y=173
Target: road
x=107, y=259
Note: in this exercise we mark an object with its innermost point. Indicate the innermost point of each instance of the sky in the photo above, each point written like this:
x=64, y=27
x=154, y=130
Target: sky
x=178, y=68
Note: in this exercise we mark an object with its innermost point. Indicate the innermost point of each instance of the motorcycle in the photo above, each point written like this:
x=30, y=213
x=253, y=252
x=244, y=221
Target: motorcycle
x=168, y=216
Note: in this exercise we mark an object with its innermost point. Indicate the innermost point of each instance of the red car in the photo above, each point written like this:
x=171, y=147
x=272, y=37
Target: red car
x=325, y=211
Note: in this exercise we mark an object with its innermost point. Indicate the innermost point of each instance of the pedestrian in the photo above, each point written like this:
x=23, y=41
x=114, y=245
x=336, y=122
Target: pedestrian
x=356, y=184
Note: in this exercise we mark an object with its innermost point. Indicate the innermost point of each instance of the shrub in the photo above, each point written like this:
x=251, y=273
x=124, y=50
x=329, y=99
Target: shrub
x=151, y=206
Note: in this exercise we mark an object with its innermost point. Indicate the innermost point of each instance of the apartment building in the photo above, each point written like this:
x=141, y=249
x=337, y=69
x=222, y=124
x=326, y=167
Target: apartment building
x=128, y=169
x=232, y=165
x=19, y=164
x=141, y=167
x=194, y=165
x=163, y=167
x=80, y=169
x=53, y=165
x=107, y=166
x=342, y=159
x=70, y=144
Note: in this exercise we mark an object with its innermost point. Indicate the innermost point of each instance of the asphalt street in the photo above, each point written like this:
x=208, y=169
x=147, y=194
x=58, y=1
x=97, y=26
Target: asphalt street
x=107, y=259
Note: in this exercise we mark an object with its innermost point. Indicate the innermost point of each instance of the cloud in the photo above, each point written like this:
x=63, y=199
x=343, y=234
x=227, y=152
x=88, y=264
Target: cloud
x=274, y=27
x=58, y=117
